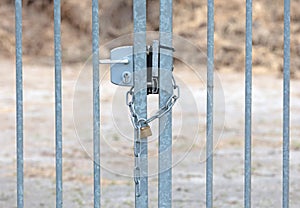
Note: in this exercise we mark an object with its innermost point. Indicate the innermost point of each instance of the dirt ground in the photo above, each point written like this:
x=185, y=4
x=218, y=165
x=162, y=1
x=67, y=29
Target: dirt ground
x=116, y=140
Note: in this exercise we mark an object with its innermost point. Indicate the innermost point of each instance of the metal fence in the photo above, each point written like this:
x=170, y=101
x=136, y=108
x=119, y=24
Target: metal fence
x=165, y=180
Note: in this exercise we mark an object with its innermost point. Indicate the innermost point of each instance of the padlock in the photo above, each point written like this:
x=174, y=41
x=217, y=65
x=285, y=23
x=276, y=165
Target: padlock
x=145, y=131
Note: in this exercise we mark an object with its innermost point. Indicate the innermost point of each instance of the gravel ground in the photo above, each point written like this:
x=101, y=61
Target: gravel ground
x=116, y=143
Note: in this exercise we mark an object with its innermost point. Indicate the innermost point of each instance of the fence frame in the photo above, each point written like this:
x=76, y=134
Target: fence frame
x=165, y=139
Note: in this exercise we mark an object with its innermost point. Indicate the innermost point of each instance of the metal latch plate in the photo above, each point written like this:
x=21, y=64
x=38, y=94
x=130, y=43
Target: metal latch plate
x=122, y=74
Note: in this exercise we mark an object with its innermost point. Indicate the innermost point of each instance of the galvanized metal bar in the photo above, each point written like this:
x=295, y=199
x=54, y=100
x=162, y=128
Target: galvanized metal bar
x=165, y=91
x=58, y=104
x=155, y=52
x=209, y=114
x=140, y=93
x=286, y=106
x=248, y=105
x=96, y=105
x=19, y=104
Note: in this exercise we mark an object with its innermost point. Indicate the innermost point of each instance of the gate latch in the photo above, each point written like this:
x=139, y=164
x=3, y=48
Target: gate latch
x=121, y=66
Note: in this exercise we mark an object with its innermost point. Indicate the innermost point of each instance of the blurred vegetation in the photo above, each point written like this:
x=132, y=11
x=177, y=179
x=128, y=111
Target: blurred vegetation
x=189, y=22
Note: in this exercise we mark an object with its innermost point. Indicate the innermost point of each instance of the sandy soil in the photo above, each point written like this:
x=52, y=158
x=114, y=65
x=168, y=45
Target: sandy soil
x=116, y=142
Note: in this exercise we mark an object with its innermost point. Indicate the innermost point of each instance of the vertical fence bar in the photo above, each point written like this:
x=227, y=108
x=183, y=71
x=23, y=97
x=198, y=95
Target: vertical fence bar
x=96, y=104
x=248, y=105
x=58, y=104
x=19, y=103
x=140, y=93
x=166, y=89
x=209, y=118
x=286, y=106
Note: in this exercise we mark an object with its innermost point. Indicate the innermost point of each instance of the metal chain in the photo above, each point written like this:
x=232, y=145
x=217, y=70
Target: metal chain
x=137, y=169
x=137, y=122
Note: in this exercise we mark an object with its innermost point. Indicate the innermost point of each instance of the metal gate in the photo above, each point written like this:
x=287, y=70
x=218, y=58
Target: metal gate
x=140, y=104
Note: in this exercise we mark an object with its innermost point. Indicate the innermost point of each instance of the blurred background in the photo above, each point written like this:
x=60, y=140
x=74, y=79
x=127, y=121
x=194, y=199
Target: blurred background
x=190, y=23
